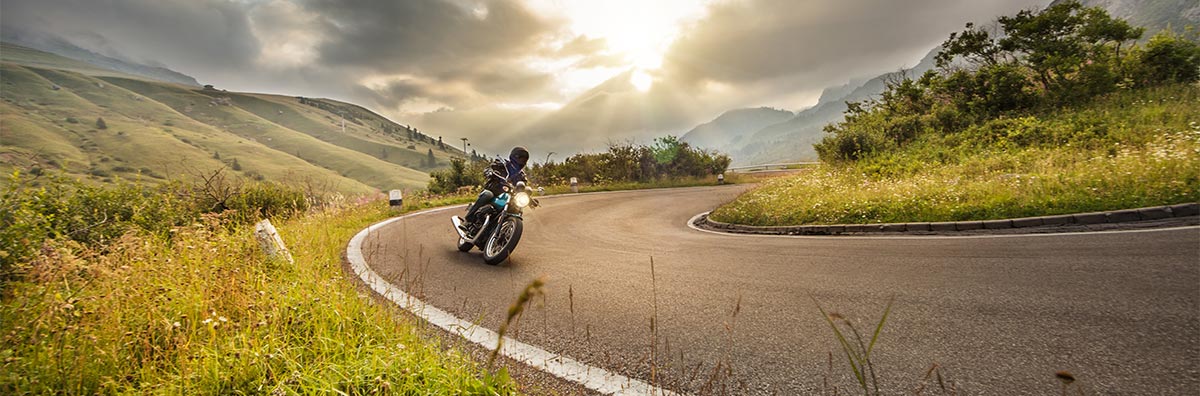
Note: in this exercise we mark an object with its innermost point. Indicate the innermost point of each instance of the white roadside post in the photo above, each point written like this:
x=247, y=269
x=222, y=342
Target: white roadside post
x=720, y=178
x=395, y=199
x=270, y=241
x=574, y=185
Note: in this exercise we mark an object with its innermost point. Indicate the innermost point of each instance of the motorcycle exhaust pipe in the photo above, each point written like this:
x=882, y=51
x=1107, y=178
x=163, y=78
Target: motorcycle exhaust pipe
x=458, y=227
x=462, y=234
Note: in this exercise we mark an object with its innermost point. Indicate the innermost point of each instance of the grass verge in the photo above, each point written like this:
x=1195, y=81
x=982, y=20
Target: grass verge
x=1128, y=150
x=203, y=312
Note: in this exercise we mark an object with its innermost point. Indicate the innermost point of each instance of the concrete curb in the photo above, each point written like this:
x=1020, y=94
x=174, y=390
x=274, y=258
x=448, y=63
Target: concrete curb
x=1110, y=217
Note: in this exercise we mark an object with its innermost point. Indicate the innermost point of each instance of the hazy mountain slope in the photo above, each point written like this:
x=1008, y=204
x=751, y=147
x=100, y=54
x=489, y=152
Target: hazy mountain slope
x=58, y=46
x=733, y=125
x=611, y=112
x=158, y=130
x=25, y=56
x=792, y=140
x=1154, y=15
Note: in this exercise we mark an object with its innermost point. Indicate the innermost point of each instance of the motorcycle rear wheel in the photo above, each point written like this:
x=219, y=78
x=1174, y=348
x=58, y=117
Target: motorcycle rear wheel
x=464, y=245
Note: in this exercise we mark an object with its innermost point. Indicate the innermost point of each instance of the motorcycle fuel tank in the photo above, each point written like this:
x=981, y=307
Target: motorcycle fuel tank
x=501, y=200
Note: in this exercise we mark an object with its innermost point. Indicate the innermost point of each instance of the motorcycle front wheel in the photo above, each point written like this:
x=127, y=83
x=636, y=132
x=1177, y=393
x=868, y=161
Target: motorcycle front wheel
x=503, y=241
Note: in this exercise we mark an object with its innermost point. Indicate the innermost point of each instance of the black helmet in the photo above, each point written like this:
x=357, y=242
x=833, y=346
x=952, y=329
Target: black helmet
x=519, y=155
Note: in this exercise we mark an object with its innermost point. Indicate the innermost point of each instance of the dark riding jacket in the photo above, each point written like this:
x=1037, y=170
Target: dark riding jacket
x=507, y=169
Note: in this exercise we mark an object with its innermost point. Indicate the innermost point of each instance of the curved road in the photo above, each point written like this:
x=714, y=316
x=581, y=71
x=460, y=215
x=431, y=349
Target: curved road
x=1121, y=311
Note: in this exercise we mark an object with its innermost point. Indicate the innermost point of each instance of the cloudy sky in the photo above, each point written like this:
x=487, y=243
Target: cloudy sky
x=555, y=75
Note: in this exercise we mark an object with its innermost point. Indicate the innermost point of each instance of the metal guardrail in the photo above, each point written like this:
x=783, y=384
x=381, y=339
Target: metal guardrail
x=763, y=167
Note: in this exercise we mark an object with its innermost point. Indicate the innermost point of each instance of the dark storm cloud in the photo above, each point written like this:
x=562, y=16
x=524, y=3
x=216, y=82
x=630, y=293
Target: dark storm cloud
x=761, y=40
x=513, y=81
x=192, y=36
x=466, y=53
x=425, y=36
x=397, y=93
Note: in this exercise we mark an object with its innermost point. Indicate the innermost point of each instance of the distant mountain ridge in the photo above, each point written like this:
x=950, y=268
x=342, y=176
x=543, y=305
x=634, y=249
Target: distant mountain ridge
x=792, y=140
x=59, y=46
x=733, y=125
x=1154, y=15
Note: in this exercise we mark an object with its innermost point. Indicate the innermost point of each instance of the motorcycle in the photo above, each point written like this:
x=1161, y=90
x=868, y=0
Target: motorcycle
x=497, y=227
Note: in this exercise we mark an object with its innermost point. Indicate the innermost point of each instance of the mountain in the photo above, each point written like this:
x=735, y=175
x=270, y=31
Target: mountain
x=611, y=112
x=153, y=131
x=792, y=140
x=58, y=46
x=733, y=125
x=1154, y=15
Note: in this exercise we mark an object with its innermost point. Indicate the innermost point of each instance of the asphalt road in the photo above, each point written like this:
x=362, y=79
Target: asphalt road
x=736, y=314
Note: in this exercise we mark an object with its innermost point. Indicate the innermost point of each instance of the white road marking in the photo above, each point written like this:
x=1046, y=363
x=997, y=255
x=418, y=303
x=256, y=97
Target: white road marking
x=691, y=223
x=591, y=377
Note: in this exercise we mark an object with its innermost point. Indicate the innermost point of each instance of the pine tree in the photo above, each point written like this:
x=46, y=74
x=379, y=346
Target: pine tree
x=431, y=161
x=100, y=124
x=235, y=165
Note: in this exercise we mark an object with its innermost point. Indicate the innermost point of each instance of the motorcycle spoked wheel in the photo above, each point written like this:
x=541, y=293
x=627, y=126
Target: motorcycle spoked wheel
x=503, y=241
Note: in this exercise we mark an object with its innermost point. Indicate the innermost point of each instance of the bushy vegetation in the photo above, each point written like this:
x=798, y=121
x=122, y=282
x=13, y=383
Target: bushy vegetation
x=1040, y=63
x=666, y=158
x=37, y=208
x=1058, y=114
x=460, y=174
x=662, y=163
x=129, y=289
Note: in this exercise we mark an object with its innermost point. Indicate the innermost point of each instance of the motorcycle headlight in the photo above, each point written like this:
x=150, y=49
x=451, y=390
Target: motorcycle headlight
x=522, y=199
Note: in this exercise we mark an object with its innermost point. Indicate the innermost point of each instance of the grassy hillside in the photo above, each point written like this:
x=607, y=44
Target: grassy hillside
x=1150, y=156
x=1024, y=129
x=155, y=130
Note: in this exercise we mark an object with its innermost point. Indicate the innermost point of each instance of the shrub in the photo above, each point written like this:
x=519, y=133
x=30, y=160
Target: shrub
x=460, y=174
x=848, y=145
x=100, y=124
x=1040, y=62
x=667, y=158
x=1169, y=58
x=35, y=208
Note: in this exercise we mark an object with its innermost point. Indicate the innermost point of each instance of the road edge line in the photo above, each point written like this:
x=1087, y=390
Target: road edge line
x=591, y=377
x=691, y=223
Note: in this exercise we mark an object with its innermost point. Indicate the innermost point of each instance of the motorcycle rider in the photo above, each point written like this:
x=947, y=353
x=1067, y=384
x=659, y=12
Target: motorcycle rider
x=511, y=169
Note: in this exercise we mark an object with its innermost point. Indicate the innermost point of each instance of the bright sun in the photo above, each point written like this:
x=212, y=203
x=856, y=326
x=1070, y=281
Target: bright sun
x=638, y=31
x=640, y=80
